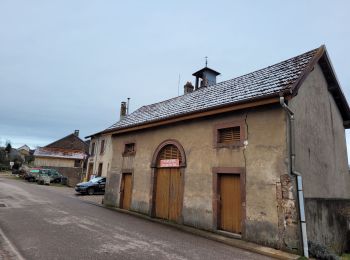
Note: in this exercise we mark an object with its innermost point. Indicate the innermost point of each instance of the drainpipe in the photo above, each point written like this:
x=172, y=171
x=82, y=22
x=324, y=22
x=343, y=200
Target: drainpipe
x=298, y=177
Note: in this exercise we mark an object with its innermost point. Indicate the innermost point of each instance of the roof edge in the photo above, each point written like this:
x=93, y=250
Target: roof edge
x=335, y=89
x=295, y=87
x=248, y=103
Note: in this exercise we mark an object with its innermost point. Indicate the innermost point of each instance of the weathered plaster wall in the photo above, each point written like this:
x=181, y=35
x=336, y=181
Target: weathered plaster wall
x=264, y=158
x=41, y=161
x=328, y=222
x=321, y=154
x=105, y=158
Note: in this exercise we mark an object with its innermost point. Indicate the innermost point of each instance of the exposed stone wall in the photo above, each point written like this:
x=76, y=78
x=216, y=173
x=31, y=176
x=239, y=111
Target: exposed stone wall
x=288, y=221
x=328, y=222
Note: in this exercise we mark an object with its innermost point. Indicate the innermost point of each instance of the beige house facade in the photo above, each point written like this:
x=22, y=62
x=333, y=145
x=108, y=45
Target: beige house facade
x=99, y=162
x=242, y=157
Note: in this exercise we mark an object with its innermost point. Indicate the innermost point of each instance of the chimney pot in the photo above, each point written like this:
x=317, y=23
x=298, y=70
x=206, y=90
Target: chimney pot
x=122, y=110
x=188, y=88
x=76, y=133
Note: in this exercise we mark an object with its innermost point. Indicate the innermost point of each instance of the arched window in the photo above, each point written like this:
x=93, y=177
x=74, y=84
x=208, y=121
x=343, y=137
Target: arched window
x=169, y=151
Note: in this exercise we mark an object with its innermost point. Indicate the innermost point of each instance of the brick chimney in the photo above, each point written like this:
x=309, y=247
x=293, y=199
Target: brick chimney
x=188, y=88
x=76, y=133
x=122, y=110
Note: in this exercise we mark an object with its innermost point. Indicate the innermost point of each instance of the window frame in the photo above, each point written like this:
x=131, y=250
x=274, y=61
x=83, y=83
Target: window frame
x=231, y=124
x=93, y=148
x=125, y=153
x=102, y=146
x=76, y=162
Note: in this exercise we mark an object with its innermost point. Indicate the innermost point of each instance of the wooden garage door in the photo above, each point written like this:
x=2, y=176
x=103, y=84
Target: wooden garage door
x=230, y=203
x=168, y=201
x=126, y=191
x=168, y=194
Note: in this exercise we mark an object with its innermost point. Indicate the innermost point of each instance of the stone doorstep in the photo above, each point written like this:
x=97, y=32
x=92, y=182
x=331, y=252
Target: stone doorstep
x=219, y=236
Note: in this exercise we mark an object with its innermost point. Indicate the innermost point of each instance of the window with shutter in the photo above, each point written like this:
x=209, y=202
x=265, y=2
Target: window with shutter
x=230, y=134
x=169, y=152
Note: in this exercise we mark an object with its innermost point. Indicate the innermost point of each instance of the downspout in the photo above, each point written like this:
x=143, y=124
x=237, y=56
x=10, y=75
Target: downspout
x=298, y=177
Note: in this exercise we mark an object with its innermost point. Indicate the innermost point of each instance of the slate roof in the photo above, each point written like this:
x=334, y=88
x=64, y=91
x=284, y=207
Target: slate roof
x=269, y=81
x=59, y=153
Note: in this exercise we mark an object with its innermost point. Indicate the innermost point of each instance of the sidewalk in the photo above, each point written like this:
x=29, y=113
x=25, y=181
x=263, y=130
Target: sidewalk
x=267, y=251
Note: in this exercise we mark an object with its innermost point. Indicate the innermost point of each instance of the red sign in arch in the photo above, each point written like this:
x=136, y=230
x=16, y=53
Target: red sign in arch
x=169, y=163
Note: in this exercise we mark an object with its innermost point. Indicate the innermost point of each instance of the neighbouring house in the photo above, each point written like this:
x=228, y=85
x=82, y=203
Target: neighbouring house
x=101, y=151
x=24, y=149
x=67, y=155
x=100, y=158
x=242, y=156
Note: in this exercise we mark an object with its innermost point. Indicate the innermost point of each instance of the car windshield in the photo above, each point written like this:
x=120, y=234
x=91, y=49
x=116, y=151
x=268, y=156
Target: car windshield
x=95, y=180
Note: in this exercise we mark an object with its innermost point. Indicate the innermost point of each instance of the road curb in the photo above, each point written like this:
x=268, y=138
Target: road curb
x=252, y=247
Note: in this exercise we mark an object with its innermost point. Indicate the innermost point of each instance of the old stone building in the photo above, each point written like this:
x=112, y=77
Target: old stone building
x=67, y=155
x=226, y=156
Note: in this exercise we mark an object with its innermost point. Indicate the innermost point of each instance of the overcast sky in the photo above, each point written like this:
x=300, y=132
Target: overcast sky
x=67, y=65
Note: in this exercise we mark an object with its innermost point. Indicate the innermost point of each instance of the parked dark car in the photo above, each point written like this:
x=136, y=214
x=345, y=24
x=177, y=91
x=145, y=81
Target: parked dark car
x=97, y=184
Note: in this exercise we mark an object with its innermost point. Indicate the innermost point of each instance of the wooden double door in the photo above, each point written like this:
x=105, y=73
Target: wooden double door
x=230, y=204
x=168, y=197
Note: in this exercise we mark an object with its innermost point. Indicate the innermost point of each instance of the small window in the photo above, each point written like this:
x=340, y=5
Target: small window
x=229, y=135
x=100, y=166
x=129, y=149
x=102, y=147
x=77, y=163
x=93, y=149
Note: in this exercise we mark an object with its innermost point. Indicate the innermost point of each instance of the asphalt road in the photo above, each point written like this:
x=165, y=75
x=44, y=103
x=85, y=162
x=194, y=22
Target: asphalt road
x=44, y=222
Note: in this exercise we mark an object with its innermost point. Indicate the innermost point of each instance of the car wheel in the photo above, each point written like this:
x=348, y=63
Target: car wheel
x=90, y=191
